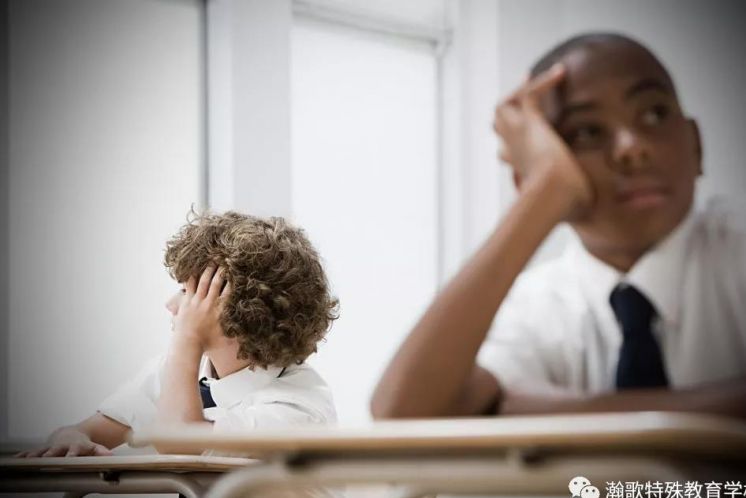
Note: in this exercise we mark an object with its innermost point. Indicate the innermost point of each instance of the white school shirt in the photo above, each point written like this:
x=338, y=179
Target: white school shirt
x=244, y=400
x=556, y=331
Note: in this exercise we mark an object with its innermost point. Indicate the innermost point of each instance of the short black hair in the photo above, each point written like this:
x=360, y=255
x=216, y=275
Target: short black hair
x=589, y=40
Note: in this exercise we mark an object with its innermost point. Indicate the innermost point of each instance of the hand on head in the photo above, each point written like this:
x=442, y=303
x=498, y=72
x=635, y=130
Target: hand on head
x=198, y=317
x=534, y=150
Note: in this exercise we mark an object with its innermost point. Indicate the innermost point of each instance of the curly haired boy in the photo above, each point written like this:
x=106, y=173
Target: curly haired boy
x=253, y=305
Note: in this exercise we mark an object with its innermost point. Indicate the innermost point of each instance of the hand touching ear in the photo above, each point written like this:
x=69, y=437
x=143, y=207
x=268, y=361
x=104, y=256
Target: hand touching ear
x=198, y=318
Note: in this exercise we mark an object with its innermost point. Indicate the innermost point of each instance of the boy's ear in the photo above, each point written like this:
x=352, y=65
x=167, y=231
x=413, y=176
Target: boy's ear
x=697, y=141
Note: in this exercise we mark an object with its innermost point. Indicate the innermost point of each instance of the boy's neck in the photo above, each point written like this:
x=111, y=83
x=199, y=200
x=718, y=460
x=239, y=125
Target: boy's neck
x=624, y=258
x=620, y=260
x=224, y=357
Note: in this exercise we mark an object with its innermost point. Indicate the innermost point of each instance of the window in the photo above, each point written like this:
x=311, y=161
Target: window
x=364, y=186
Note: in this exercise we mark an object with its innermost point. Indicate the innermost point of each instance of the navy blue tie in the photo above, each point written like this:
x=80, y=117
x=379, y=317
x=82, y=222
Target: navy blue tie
x=640, y=359
x=204, y=392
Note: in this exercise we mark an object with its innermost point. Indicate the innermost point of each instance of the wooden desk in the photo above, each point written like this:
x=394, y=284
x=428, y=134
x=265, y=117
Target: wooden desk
x=189, y=476
x=505, y=455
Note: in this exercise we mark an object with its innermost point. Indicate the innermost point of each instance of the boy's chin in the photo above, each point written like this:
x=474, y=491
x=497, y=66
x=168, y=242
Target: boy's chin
x=631, y=235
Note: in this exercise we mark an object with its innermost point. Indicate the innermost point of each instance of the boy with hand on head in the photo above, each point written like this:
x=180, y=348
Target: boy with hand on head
x=254, y=303
x=646, y=311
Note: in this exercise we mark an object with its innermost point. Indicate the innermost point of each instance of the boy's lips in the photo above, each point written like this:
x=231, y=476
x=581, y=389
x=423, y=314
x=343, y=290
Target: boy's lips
x=643, y=196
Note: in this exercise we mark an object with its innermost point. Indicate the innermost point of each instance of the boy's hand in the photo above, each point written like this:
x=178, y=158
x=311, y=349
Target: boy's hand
x=198, y=318
x=67, y=442
x=535, y=151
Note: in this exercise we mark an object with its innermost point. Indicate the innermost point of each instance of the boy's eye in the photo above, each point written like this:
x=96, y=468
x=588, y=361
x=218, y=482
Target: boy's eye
x=182, y=290
x=655, y=115
x=584, y=136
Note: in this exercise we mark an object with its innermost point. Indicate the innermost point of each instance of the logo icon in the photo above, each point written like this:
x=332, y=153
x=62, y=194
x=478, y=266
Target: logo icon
x=580, y=487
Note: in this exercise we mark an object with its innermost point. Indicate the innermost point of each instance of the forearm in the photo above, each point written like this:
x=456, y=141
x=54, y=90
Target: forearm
x=441, y=349
x=180, y=400
x=101, y=430
x=727, y=398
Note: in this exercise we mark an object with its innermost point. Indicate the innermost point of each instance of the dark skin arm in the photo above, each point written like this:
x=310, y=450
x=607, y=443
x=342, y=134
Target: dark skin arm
x=726, y=398
x=466, y=305
x=455, y=325
x=434, y=372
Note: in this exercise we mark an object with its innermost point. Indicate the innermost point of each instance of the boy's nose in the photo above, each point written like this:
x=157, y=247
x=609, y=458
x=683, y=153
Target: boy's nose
x=630, y=151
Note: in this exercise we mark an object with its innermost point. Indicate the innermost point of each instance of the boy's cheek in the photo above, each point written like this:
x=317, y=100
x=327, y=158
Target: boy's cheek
x=593, y=163
x=603, y=183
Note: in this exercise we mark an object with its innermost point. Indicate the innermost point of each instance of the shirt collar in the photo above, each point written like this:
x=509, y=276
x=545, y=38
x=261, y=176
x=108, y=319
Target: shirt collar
x=657, y=274
x=232, y=389
x=596, y=278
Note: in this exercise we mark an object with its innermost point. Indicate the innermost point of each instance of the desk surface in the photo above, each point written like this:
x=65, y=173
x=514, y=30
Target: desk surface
x=642, y=432
x=171, y=463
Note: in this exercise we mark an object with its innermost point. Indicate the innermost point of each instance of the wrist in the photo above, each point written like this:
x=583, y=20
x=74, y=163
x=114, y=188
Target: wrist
x=562, y=184
x=187, y=348
x=555, y=198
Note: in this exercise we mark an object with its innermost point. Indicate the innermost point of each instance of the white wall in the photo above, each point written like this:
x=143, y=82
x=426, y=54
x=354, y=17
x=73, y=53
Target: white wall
x=470, y=90
x=105, y=160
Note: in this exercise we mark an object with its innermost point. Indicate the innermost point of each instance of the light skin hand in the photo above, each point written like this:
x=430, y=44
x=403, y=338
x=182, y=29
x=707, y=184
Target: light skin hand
x=91, y=437
x=534, y=150
x=67, y=442
x=197, y=322
x=197, y=331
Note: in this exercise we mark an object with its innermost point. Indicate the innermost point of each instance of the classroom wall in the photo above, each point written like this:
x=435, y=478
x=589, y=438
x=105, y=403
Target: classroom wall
x=106, y=128
x=106, y=145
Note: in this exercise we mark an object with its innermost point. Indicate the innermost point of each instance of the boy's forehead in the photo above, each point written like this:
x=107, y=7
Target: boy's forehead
x=598, y=71
x=593, y=63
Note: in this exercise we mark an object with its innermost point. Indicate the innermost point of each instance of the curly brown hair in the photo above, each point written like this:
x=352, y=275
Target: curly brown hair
x=280, y=305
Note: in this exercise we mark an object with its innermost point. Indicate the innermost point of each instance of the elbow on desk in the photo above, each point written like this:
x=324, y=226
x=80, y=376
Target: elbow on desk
x=377, y=410
x=382, y=408
x=387, y=407
x=164, y=449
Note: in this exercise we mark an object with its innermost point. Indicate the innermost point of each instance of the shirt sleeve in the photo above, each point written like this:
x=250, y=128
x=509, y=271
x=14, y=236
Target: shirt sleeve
x=522, y=351
x=134, y=403
x=264, y=415
x=280, y=404
x=298, y=398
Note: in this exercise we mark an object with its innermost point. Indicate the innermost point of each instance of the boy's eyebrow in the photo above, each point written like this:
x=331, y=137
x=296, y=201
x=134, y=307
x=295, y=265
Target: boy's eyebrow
x=577, y=107
x=646, y=84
